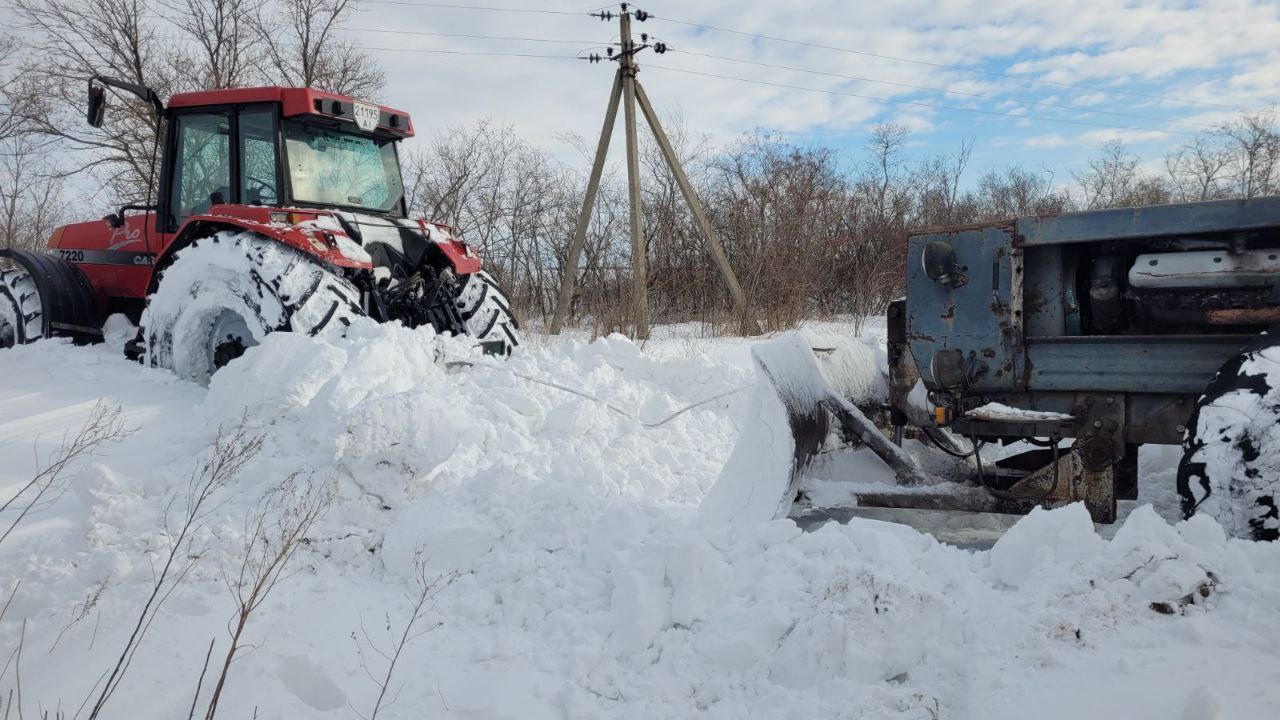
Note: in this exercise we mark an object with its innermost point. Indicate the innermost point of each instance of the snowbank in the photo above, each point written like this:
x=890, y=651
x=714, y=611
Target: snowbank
x=586, y=586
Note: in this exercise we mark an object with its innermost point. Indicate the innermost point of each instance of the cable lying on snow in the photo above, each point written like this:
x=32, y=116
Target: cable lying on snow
x=451, y=364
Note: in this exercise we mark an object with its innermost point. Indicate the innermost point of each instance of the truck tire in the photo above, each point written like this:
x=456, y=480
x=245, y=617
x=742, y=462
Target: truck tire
x=21, y=313
x=487, y=314
x=1230, y=465
x=222, y=294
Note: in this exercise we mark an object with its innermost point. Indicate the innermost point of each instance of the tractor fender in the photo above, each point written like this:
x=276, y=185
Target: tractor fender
x=66, y=297
x=328, y=245
x=458, y=253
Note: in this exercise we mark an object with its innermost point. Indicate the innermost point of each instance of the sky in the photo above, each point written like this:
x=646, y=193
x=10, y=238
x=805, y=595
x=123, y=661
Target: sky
x=1036, y=83
x=1032, y=83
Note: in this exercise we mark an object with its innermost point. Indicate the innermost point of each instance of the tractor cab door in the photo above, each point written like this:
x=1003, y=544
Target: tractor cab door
x=258, y=155
x=221, y=155
x=201, y=165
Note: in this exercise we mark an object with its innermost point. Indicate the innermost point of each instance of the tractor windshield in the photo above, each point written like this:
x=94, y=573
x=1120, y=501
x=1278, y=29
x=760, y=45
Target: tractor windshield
x=331, y=167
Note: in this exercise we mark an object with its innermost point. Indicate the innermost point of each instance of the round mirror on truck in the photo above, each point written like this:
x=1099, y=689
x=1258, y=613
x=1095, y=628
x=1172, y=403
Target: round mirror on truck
x=939, y=260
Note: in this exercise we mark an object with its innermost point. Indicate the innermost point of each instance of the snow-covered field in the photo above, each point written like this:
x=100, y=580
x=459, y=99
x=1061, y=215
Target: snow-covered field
x=580, y=581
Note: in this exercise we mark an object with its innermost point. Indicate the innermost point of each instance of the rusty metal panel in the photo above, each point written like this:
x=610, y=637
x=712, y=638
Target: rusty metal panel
x=1180, y=364
x=970, y=334
x=1044, y=291
x=1153, y=221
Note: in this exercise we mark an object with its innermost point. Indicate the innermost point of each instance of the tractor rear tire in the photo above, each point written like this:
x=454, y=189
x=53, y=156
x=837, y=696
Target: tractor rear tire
x=21, y=312
x=221, y=295
x=486, y=311
x=1230, y=465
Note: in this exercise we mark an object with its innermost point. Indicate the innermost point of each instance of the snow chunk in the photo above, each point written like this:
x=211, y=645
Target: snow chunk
x=1043, y=540
x=116, y=331
x=282, y=373
x=1203, y=704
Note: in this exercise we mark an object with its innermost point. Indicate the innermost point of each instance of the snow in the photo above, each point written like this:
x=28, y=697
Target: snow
x=999, y=411
x=328, y=224
x=588, y=582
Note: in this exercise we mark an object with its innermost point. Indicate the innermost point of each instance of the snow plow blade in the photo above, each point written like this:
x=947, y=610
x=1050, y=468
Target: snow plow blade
x=792, y=408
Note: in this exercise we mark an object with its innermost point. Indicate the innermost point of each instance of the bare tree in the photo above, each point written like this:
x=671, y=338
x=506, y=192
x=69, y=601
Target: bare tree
x=229, y=52
x=32, y=201
x=1254, y=142
x=302, y=48
x=1199, y=169
x=1016, y=192
x=80, y=38
x=1113, y=180
x=10, y=121
x=939, y=182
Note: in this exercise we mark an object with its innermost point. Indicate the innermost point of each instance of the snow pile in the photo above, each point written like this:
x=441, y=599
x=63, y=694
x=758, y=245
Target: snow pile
x=587, y=585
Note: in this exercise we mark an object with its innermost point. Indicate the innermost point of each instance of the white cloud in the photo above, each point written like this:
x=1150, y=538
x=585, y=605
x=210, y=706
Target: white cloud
x=1207, y=52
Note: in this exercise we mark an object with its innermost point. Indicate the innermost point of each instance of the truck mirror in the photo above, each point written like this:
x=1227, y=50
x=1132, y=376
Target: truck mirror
x=97, y=105
x=940, y=264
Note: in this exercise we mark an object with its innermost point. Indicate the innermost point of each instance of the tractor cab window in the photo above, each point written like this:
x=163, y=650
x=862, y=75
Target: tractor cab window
x=202, y=173
x=342, y=169
x=258, y=182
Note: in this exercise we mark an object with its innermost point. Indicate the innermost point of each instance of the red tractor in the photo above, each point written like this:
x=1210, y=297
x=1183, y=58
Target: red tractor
x=278, y=209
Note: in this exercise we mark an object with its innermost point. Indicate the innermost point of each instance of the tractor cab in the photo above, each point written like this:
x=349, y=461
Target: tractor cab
x=279, y=147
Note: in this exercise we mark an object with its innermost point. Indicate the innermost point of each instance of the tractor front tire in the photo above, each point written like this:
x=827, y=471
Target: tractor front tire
x=21, y=313
x=1230, y=465
x=487, y=314
x=222, y=294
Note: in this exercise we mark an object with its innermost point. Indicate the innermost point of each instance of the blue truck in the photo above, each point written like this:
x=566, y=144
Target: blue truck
x=1074, y=339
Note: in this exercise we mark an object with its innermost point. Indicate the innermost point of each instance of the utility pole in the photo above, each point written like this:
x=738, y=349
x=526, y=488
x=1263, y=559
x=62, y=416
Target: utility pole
x=627, y=89
x=639, y=277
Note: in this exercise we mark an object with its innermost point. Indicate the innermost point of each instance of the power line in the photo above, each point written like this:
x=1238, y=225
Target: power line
x=479, y=8
x=418, y=50
x=1001, y=98
x=509, y=38
x=960, y=68
x=916, y=103
x=468, y=52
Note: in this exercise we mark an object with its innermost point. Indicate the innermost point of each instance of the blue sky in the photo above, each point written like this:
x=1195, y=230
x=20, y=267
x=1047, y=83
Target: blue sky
x=1149, y=73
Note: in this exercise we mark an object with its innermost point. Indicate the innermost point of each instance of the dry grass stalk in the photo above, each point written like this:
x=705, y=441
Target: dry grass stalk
x=274, y=532
x=420, y=604
x=231, y=451
x=106, y=423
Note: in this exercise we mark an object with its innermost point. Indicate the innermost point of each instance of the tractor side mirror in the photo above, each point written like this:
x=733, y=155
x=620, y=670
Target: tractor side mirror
x=97, y=105
x=939, y=261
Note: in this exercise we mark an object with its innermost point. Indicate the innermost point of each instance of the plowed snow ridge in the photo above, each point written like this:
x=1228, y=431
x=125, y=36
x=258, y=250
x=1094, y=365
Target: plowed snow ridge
x=586, y=588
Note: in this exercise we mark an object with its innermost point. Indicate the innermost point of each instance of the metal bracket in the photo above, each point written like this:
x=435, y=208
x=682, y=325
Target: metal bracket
x=1071, y=478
